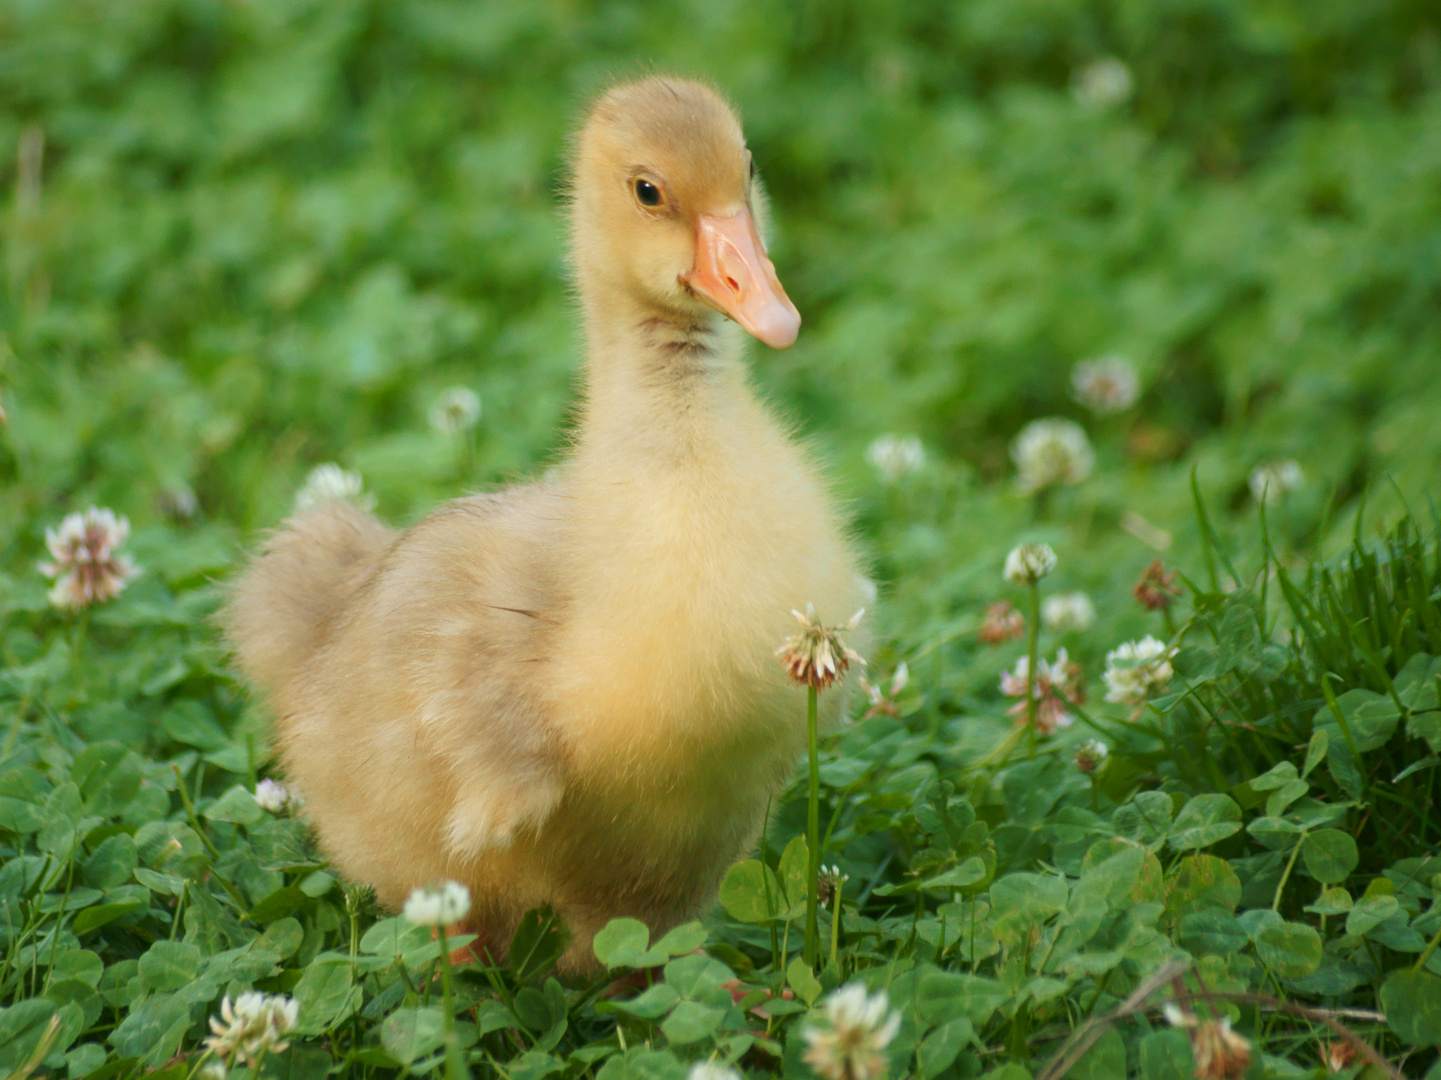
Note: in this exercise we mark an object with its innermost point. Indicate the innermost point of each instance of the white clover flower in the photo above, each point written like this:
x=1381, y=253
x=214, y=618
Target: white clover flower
x=275, y=797
x=456, y=410
x=895, y=455
x=327, y=482
x=712, y=1070
x=1067, y=611
x=254, y=1025
x=1107, y=384
x=439, y=905
x=214, y=1069
x=1050, y=452
x=87, y=569
x=1272, y=482
x=850, y=1045
x=1028, y=563
x=1104, y=82
x=1137, y=670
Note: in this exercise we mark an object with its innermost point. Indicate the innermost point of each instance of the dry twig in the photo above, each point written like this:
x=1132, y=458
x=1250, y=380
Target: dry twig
x=1085, y=1036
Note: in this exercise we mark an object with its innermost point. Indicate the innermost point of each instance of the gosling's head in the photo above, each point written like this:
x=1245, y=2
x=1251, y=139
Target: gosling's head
x=665, y=201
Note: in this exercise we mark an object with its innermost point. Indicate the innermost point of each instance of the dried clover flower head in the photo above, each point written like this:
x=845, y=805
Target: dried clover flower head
x=444, y=904
x=1028, y=563
x=1067, y=611
x=895, y=455
x=1107, y=384
x=456, y=410
x=328, y=482
x=254, y=1025
x=1001, y=623
x=829, y=883
x=851, y=1043
x=1050, y=452
x=1157, y=587
x=817, y=656
x=87, y=567
x=1090, y=756
x=1056, y=685
x=1137, y=671
x=1272, y=482
x=1220, y=1053
x=1337, y=1054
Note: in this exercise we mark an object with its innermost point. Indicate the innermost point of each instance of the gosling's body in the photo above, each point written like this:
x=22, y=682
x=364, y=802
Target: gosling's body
x=565, y=692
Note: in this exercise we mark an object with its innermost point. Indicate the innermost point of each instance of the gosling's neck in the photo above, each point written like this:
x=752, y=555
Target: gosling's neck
x=658, y=384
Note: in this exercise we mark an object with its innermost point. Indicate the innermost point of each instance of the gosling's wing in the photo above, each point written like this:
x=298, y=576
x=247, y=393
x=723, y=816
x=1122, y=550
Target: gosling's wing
x=471, y=611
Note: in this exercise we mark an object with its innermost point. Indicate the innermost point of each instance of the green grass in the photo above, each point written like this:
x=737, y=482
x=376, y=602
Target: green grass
x=245, y=239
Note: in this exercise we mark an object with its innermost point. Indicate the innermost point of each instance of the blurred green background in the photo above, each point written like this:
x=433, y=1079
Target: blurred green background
x=244, y=238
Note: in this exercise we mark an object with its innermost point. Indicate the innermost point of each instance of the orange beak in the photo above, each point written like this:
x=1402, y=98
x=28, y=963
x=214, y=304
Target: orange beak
x=733, y=275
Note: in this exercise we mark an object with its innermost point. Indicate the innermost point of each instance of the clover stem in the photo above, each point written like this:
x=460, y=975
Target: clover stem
x=1033, y=638
x=1431, y=948
x=454, y=1067
x=1286, y=875
x=199, y=1061
x=836, y=924
x=79, y=629
x=813, y=829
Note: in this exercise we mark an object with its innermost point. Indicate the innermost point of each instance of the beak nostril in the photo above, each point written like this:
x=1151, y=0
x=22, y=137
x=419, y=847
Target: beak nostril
x=732, y=274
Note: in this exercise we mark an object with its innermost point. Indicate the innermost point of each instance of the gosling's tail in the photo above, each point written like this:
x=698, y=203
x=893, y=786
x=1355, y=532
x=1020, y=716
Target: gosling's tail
x=282, y=607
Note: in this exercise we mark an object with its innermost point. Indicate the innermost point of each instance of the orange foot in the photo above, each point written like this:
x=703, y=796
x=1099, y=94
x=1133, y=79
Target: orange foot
x=477, y=952
x=739, y=991
x=639, y=979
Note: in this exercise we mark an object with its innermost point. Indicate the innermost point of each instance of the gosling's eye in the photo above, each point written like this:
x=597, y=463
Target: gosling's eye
x=753, y=168
x=647, y=193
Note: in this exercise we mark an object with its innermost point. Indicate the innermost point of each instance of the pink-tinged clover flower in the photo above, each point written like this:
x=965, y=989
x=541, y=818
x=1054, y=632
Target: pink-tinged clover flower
x=1107, y=384
x=87, y=567
x=1001, y=623
x=883, y=702
x=1056, y=685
